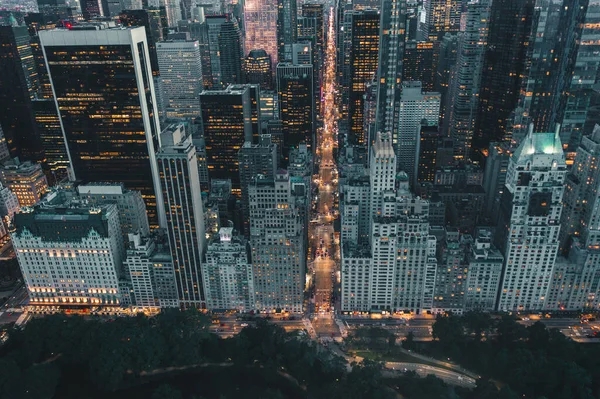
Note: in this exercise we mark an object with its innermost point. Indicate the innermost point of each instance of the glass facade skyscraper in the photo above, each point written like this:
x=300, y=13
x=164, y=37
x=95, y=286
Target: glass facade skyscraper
x=102, y=82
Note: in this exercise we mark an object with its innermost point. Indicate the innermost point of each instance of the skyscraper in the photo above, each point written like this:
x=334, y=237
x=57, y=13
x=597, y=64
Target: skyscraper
x=429, y=139
x=227, y=122
x=586, y=66
x=110, y=123
x=315, y=10
x=277, y=239
x=296, y=104
x=92, y=9
x=19, y=83
x=260, y=25
x=504, y=68
x=416, y=109
x=287, y=27
x=145, y=18
x=418, y=63
x=392, y=36
x=530, y=221
x=181, y=77
x=255, y=159
x=180, y=185
x=400, y=268
x=581, y=216
x=441, y=16
x=464, y=94
x=225, y=50
x=256, y=68
x=364, y=55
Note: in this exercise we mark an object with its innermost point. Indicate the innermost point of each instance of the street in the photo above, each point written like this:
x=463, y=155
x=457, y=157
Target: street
x=322, y=241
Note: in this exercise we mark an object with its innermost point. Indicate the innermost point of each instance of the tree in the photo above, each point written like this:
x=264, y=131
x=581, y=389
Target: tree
x=166, y=391
x=509, y=331
x=477, y=323
x=409, y=342
x=448, y=329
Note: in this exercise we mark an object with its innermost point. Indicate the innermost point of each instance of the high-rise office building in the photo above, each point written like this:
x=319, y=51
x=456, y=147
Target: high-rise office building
x=429, y=139
x=181, y=77
x=586, y=66
x=530, y=221
x=256, y=68
x=445, y=69
x=277, y=239
x=504, y=68
x=227, y=123
x=228, y=282
x=581, y=213
x=418, y=63
x=19, y=83
x=180, y=183
x=287, y=28
x=56, y=164
x=382, y=173
x=56, y=9
x=316, y=11
x=136, y=17
x=110, y=123
x=494, y=178
x=255, y=159
x=260, y=25
x=465, y=88
x=363, y=61
x=70, y=253
x=296, y=104
x=548, y=68
x=26, y=180
x=392, y=37
x=172, y=10
x=225, y=50
x=416, y=109
x=441, y=16
x=91, y=9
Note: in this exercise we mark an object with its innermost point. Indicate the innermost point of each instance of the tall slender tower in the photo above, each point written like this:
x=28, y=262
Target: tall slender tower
x=504, y=68
x=260, y=25
x=296, y=104
x=110, y=123
x=364, y=57
x=287, y=28
x=530, y=219
x=467, y=81
x=18, y=85
x=586, y=66
x=392, y=33
x=180, y=184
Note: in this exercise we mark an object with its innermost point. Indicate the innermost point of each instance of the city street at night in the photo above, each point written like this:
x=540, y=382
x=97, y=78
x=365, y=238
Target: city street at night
x=322, y=231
